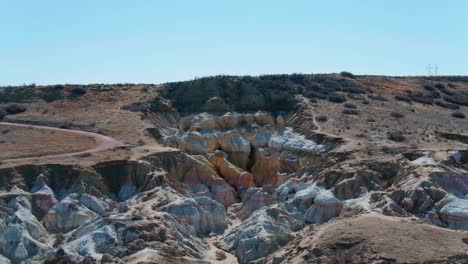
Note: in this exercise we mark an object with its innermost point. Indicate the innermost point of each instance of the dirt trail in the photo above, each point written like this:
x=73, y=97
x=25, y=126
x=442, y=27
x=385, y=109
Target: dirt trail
x=103, y=142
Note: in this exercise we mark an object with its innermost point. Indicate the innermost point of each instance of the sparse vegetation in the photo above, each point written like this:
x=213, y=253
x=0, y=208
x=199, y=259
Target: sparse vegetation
x=377, y=97
x=397, y=115
x=14, y=108
x=322, y=118
x=350, y=105
x=420, y=98
x=460, y=99
x=347, y=74
x=3, y=113
x=402, y=98
x=429, y=88
x=446, y=104
x=52, y=93
x=18, y=94
x=348, y=111
x=78, y=91
x=336, y=98
x=458, y=114
x=396, y=136
x=446, y=91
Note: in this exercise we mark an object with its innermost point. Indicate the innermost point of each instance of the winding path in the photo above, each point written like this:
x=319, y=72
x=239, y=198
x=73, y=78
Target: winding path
x=104, y=142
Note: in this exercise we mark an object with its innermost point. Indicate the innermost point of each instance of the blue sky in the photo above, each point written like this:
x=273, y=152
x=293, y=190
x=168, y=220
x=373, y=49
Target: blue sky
x=112, y=41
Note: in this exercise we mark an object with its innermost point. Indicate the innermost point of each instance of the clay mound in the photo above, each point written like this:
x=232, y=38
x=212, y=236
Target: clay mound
x=374, y=238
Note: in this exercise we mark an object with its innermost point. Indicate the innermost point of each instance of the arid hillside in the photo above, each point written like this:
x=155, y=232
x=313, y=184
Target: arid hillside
x=323, y=168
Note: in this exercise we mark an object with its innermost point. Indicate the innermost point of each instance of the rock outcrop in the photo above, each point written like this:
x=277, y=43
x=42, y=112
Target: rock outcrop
x=67, y=215
x=261, y=234
x=235, y=176
x=205, y=215
x=317, y=205
x=252, y=200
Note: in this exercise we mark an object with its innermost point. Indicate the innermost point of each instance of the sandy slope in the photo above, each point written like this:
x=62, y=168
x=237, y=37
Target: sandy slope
x=103, y=142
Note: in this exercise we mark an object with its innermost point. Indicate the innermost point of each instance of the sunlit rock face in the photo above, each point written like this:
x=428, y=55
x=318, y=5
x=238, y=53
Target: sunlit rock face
x=235, y=176
x=256, y=143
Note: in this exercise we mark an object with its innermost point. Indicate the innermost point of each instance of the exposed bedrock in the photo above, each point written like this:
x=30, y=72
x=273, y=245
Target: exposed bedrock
x=78, y=227
x=315, y=205
x=224, y=122
x=351, y=180
x=23, y=236
x=243, y=185
x=235, y=176
x=68, y=214
x=255, y=143
x=262, y=233
x=205, y=215
x=252, y=200
x=121, y=236
x=431, y=192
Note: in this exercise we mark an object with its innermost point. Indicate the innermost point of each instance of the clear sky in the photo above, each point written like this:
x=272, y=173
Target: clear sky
x=136, y=41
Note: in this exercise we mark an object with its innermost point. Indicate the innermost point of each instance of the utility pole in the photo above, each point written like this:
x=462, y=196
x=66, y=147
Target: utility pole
x=436, y=68
x=429, y=70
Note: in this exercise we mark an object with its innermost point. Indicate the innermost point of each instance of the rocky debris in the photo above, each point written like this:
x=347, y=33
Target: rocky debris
x=67, y=215
x=205, y=215
x=373, y=238
x=259, y=235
